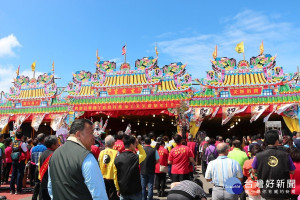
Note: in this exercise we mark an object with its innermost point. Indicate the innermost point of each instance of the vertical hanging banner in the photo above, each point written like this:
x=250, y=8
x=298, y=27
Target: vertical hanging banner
x=57, y=120
x=229, y=112
x=4, y=121
x=36, y=121
x=268, y=116
x=256, y=112
x=19, y=121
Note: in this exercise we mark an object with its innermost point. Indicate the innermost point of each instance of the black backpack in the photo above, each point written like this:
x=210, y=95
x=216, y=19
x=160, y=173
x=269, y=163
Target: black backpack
x=16, y=150
x=211, y=156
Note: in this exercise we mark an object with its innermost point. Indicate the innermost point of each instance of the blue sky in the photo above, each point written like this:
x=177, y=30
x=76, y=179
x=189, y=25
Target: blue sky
x=69, y=32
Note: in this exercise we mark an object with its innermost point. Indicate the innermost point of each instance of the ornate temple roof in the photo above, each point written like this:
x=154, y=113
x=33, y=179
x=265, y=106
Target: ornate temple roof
x=25, y=88
x=257, y=82
x=146, y=76
x=260, y=71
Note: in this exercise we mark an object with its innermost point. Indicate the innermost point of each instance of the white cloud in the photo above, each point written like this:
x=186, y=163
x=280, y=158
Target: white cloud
x=7, y=74
x=7, y=44
x=281, y=38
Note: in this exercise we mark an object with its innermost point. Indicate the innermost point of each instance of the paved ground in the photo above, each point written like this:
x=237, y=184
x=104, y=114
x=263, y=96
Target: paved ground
x=29, y=195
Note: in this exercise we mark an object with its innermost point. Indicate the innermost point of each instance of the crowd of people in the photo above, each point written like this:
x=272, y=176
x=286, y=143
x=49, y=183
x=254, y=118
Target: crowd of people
x=128, y=167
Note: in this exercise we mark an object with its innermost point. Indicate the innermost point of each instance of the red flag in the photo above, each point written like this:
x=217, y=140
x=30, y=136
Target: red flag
x=124, y=50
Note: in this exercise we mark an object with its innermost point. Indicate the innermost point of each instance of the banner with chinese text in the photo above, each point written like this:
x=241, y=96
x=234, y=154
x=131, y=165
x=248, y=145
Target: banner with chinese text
x=229, y=112
x=256, y=111
x=36, y=121
x=201, y=113
x=127, y=106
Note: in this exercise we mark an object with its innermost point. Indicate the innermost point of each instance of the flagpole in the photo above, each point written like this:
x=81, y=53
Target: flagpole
x=33, y=73
x=125, y=51
x=125, y=57
x=244, y=54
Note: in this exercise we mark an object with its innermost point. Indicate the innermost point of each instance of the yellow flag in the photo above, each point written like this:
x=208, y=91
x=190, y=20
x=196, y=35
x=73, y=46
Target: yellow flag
x=18, y=71
x=33, y=66
x=261, y=48
x=240, y=47
x=98, y=58
x=156, y=52
x=215, y=53
x=53, y=66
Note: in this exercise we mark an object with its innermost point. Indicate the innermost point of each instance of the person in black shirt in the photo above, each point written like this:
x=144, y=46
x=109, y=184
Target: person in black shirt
x=273, y=168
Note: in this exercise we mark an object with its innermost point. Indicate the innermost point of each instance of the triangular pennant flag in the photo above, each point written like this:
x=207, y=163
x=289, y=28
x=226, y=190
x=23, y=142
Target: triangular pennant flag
x=256, y=112
x=268, y=116
x=284, y=107
x=228, y=113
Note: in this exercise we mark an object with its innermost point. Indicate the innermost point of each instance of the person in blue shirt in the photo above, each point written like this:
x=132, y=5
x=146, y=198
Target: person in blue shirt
x=35, y=153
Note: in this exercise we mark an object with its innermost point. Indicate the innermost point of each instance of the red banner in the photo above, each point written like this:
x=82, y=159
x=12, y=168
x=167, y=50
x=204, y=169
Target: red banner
x=121, y=91
x=127, y=106
x=31, y=103
x=245, y=91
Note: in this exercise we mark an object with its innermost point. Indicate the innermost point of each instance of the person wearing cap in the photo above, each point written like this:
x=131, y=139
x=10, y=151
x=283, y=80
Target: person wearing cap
x=107, y=166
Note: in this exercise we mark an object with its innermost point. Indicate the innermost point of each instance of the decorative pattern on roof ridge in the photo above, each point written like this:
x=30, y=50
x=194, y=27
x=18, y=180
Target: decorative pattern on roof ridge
x=147, y=74
x=261, y=70
x=25, y=88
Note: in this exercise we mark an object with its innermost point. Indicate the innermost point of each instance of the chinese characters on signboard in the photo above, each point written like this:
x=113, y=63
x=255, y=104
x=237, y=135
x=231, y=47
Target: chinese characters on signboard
x=31, y=103
x=121, y=91
x=245, y=91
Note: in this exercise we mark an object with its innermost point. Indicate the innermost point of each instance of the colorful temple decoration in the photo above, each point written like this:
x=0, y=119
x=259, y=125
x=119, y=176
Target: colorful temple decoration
x=244, y=88
x=29, y=98
x=145, y=87
x=231, y=88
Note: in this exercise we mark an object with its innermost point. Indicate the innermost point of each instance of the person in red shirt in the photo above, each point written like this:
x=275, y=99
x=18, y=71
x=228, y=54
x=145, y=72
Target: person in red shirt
x=95, y=151
x=192, y=145
x=219, y=140
x=8, y=150
x=119, y=144
x=180, y=158
x=250, y=186
x=159, y=169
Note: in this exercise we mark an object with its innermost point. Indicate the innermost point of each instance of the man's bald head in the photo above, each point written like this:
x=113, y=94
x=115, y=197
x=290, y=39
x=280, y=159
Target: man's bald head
x=223, y=148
